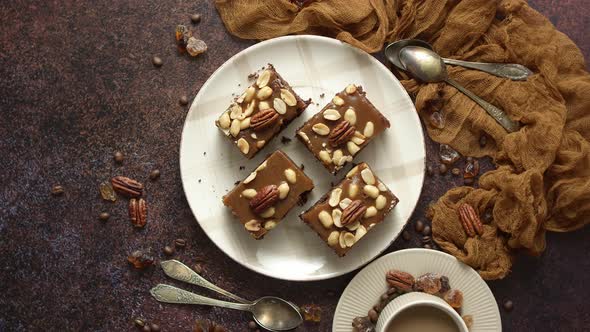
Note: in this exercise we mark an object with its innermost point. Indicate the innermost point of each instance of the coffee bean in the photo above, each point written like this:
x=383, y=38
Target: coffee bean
x=429, y=170
x=419, y=226
x=384, y=297
x=119, y=157
x=139, y=322
x=376, y=307
x=180, y=243
x=168, y=250
x=406, y=235
x=442, y=168
x=508, y=305
x=183, y=100
x=198, y=268
x=57, y=190
x=427, y=246
x=157, y=61
x=196, y=18
x=104, y=216
x=468, y=181
x=155, y=327
x=373, y=315
x=426, y=230
x=456, y=171
x=426, y=239
x=155, y=174
x=483, y=140
x=252, y=325
x=147, y=328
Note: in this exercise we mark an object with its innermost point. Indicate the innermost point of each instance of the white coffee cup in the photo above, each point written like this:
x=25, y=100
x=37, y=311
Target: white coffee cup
x=409, y=300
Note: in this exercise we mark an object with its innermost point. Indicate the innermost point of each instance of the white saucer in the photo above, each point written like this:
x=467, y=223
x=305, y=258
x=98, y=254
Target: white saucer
x=209, y=163
x=364, y=289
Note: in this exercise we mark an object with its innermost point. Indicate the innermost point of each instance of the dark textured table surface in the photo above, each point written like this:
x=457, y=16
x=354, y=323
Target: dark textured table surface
x=77, y=84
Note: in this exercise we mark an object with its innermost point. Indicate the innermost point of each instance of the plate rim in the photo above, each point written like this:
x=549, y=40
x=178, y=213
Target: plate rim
x=487, y=289
x=265, y=43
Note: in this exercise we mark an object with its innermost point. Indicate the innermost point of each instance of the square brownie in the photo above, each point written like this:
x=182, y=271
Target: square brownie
x=265, y=196
x=351, y=209
x=261, y=112
x=342, y=128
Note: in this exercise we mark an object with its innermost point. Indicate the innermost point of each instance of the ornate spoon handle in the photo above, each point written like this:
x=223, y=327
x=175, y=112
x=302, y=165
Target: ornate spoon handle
x=498, y=114
x=171, y=294
x=508, y=70
x=177, y=270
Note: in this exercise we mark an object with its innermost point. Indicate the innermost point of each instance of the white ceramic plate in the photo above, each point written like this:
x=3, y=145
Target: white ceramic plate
x=364, y=289
x=209, y=163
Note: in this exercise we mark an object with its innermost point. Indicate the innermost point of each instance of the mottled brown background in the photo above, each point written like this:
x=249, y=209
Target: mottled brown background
x=76, y=84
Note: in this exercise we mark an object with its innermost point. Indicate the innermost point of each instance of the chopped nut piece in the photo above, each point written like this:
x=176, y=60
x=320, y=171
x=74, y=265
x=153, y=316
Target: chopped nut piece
x=326, y=219
x=337, y=217
x=350, y=89
x=352, y=148
x=234, y=128
x=325, y=156
x=252, y=225
x=321, y=129
x=371, y=191
x=367, y=176
x=250, y=177
x=335, y=197
x=353, y=190
x=268, y=213
x=243, y=145
x=346, y=202
x=369, y=129
x=245, y=124
x=291, y=176
x=288, y=97
x=352, y=171
x=279, y=106
x=264, y=93
x=338, y=101
x=283, y=190
x=331, y=115
x=380, y=202
x=263, y=79
x=350, y=116
x=333, y=238
x=360, y=232
x=371, y=212
x=349, y=239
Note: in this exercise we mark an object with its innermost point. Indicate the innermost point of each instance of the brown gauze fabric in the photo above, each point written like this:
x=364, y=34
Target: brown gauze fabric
x=542, y=182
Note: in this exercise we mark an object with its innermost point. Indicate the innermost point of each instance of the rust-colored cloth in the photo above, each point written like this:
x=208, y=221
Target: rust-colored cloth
x=543, y=177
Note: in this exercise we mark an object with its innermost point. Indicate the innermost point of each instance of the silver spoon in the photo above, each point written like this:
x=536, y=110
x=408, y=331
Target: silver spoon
x=427, y=66
x=271, y=313
x=512, y=71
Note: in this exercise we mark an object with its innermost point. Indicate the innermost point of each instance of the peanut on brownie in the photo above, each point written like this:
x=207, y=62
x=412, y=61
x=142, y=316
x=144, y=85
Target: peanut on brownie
x=261, y=112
